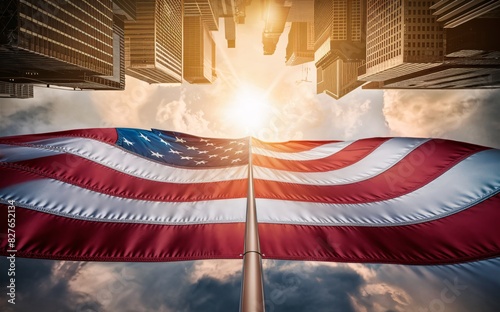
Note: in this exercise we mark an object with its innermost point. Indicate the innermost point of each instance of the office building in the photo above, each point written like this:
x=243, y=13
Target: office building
x=227, y=11
x=60, y=42
x=471, y=51
x=472, y=60
x=453, y=13
x=199, y=51
x=275, y=16
x=300, y=48
x=207, y=9
x=301, y=11
x=339, y=27
x=153, y=43
x=403, y=37
x=338, y=78
x=126, y=9
x=15, y=90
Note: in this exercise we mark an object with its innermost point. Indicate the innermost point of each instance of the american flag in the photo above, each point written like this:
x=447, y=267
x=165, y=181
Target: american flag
x=138, y=195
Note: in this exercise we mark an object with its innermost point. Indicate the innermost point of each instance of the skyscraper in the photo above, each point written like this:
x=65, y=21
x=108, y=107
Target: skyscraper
x=468, y=51
x=15, y=90
x=339, y=27
x=125, y=8
x=275, y=15
x=55, y=42
x=403, y=37
x=454, y=13
x=200, y=18
x=153, y=43
x=199, y=51
x=300, y=48
x=207, y=9
x=301, y=11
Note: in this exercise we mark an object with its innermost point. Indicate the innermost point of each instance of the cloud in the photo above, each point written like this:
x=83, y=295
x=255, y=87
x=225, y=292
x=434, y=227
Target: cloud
x=175, y=115
x=43, y=285
x=51, y=110
x=316, y=288
x=465, y=115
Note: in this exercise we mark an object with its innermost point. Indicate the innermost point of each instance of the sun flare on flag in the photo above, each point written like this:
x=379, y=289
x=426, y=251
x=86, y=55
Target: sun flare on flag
x=249, y=109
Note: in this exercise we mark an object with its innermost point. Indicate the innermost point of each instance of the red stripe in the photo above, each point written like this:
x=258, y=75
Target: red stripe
x=470, y=235
x=418, y=168
x=41, y=235
x=107, y=135
x=290, y=146
x=347, y=156
x=84, y=173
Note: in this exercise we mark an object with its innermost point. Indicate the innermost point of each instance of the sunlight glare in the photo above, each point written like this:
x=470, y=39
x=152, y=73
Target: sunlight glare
x=249, y=109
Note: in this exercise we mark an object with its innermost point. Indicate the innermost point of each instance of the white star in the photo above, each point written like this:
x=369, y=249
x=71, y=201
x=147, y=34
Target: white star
x=224, y=157
x=174, y=152
x=212, y=156
x=192, y=148
x=201, y=162
x=202, y=152
x=186, y=157
x=145, y=137
x=210, y=144
x=164, y=142
x=238, y=152
x=156, y=154
x=235, y=160
x=218, y=147
x=228, y=149
x=203, y=140
x=127, y=141
x=241, y=143
x=232, y=142
x=180, y=140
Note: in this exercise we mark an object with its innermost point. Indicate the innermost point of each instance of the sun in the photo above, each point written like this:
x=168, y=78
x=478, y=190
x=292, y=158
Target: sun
x=249, y=109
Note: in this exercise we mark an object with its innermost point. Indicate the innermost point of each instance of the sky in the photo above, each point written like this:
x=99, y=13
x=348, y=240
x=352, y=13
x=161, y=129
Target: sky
x=289, y=109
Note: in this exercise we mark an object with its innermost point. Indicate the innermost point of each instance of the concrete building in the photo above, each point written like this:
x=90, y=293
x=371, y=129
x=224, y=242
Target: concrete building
x=471, y=51
x=339, y=27
x=54, y=44
x=275, y=16
x=153, y=43
x=403, y=37
x=126, y=9
x=15, y=90
x=453, y=13
x=300, y=48
x=199, y=51
x=207, y=9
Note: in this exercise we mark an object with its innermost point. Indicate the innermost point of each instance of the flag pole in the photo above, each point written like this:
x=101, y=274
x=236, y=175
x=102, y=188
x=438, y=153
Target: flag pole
x=252, y=288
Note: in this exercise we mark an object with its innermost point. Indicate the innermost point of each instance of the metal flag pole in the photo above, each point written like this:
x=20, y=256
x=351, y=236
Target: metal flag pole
x=252, y=287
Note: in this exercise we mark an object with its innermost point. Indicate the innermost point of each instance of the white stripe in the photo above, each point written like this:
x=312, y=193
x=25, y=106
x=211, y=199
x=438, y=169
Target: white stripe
x=315, y=153
x=123, y=161
x=12, y=153
x=466, y=184
x=381, y=159
x=55, y=197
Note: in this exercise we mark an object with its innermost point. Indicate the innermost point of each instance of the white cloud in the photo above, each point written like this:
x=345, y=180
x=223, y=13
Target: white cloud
x=220, y=270
x=175, y=115
x=430, y=113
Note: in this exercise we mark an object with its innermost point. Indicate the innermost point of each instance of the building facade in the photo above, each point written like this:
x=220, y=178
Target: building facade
x=403, y=37
x=339, y=27
x=463, y=56
x=55, y=42
x=199, y=51
x=300, y=47
x=454, y=13
x=15, y=90
x=153, y=43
